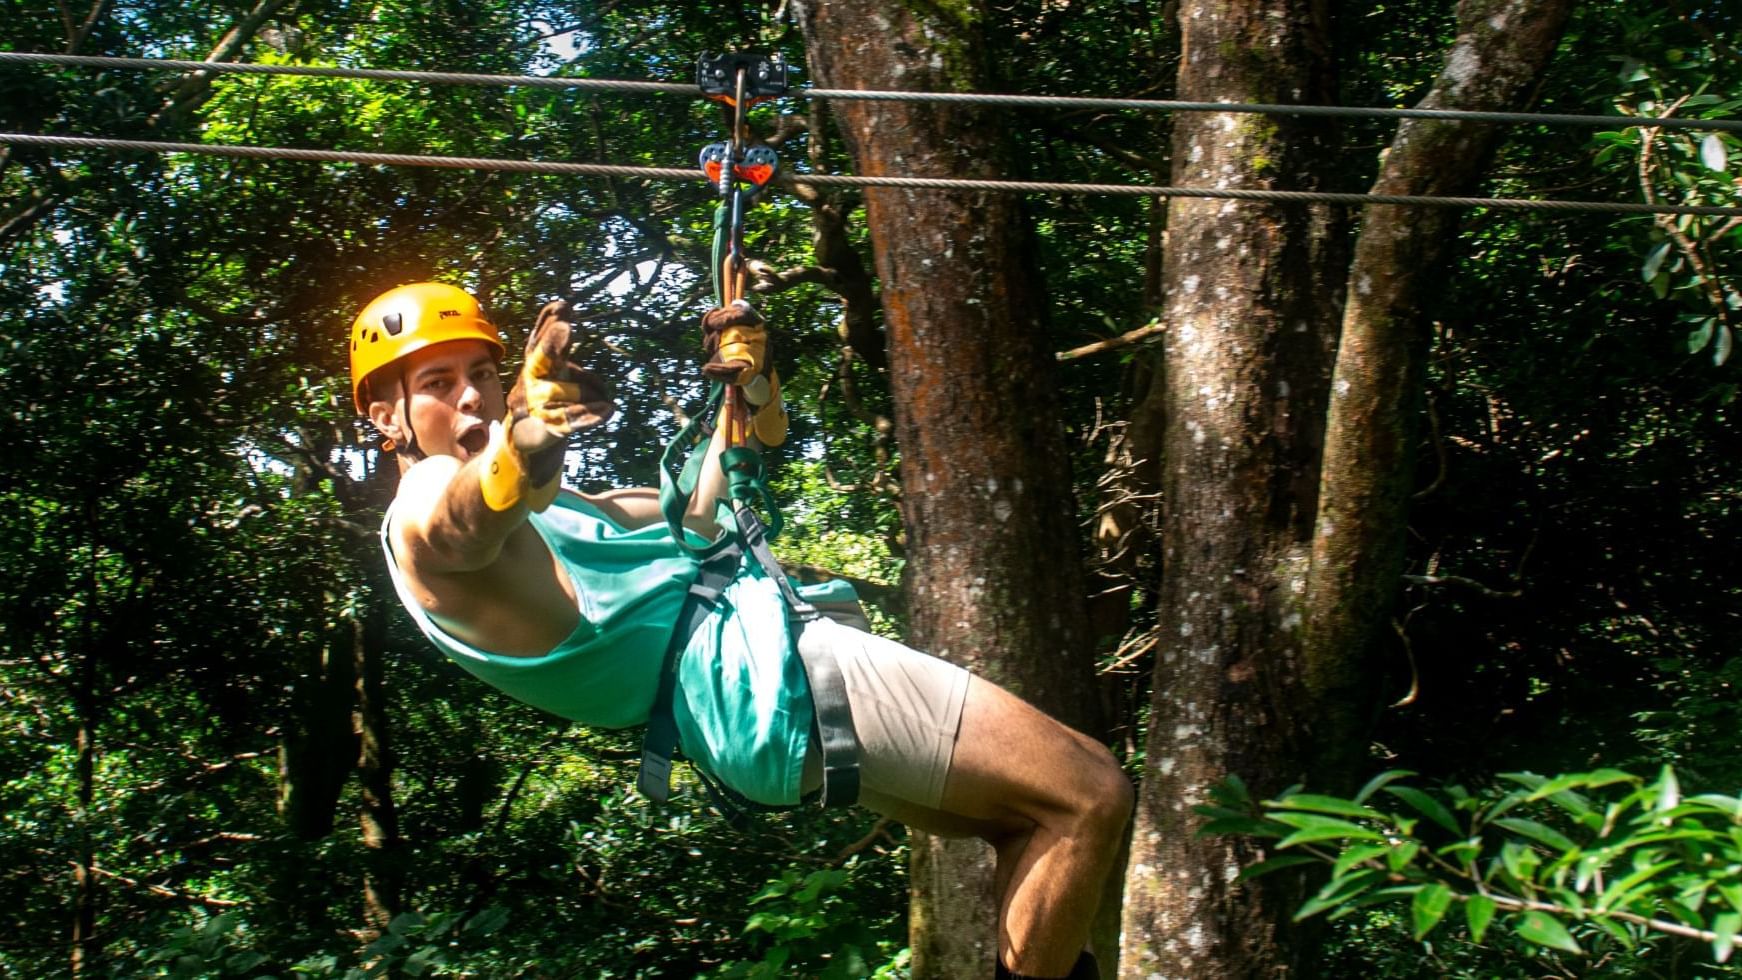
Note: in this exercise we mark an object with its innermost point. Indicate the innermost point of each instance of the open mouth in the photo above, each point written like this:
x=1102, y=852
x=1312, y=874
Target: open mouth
x=474, y=440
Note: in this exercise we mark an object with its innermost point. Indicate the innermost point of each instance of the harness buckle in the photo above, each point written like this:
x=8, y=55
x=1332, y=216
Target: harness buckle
x=655, y=779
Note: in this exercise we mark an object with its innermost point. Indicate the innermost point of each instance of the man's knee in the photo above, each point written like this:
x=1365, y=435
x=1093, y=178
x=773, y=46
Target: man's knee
x=1109, y=798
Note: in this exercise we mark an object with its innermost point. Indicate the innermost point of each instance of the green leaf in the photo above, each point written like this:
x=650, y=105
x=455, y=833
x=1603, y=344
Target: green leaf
x=1402, y=854
x=1463, y=852
x=1729, y=806
x=1615, y=931
x=1275, y=864
x=1669, y=790
x=1546, y=930
x=1537, y=831
x=1653, y=263
x=1231, y=792
x=1352, y=856
x=1250, y=826
x=1619, y=893
x=1721, y=349
x=1316, y=828
x=405, y=923
x=1713, y=155
x=1478, y=912
x=1519, y=860
x=1428, y=806
x=1378, y=782
x=1428, y=907
x=1700, y=336
x=1724, y=935
x=1732, y=893
x=1339, y=891
x=1325, y=804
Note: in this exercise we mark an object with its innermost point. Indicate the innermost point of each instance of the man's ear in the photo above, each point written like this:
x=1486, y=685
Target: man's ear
x=384, y=415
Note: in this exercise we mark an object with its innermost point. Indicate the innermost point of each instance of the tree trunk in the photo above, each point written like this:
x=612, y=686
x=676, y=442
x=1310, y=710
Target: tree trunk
x=84, y=875
x=320, y=747
x=379, y=816
x=994, y=575
x=1502, y=48
x=83, y=958
x=1240, y=403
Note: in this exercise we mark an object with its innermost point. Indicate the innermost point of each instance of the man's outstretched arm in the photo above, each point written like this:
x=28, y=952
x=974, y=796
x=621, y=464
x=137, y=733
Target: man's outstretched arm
x=455, y=516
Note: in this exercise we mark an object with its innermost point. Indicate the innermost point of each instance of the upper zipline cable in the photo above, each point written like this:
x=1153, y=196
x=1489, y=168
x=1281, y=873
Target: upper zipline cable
x=970, y=98
x=840, y=180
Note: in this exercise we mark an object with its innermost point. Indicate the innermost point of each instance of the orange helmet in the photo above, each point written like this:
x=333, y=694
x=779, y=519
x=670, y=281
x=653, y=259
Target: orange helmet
x=409, y=318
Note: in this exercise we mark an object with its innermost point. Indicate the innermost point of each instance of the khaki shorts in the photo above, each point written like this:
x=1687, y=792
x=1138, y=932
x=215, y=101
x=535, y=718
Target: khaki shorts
x=907, y=708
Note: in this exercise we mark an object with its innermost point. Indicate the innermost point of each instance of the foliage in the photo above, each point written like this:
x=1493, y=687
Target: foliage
x=1603, y=866
x=1688, y=256
x=808, y=925
x=187, y=508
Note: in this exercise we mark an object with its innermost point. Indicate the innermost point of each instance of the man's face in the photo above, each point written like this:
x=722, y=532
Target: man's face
x=456, y=392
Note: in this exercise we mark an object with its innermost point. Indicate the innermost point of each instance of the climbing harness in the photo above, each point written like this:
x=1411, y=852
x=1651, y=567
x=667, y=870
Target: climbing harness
x=740, y=173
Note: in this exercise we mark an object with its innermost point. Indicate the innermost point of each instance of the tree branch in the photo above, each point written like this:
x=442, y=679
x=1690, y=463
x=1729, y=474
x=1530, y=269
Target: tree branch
x=1125, y=339
x=1465, y=582
x=161, y=892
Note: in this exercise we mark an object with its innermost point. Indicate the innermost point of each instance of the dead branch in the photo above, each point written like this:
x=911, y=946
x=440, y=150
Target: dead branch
x=1133, y=649
x=1439, y=480
x=160, y=891
x=1126, y=339
x=880, y=829
x=1414, y=674
x=1464, y=582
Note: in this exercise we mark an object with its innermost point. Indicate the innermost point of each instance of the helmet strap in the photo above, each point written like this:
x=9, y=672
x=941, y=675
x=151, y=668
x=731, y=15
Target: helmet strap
x=410, y=448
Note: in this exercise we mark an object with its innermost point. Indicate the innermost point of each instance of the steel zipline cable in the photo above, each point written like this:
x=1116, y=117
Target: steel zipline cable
x=840, y=180
x=832, y=180
x=969, y=98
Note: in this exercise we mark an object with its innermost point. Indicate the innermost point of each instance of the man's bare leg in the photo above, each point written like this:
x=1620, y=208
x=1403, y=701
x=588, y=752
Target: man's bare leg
x=1053, y=804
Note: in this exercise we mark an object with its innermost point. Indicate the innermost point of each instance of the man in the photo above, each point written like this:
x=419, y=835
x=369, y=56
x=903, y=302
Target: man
x=566, y=600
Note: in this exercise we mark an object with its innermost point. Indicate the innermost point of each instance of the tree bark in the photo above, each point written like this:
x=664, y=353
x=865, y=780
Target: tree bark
x=994, y=575
x=83, y=959
x=320, y=747
x=379, y=816
x=1239, y=402
x=1502, y=48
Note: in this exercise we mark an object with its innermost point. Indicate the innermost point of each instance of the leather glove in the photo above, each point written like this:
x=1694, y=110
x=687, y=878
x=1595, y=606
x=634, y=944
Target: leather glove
x=551, y=400
x=734, y=343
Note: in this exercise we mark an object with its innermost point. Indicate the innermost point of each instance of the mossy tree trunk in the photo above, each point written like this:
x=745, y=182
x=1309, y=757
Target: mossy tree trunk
x=1286, y=504
x=994, y=575
x=1240, y=405
x=1502, y=49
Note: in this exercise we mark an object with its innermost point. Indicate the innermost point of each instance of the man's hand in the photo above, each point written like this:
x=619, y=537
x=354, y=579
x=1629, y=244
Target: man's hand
x=553, y=398
x=734, y=343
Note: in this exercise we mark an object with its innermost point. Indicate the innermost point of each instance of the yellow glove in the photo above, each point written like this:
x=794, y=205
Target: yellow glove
x=551, y=400
x=735, y=343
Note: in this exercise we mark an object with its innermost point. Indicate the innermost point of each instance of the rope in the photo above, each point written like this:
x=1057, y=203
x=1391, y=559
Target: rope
x=840, y=180
x=968, y=98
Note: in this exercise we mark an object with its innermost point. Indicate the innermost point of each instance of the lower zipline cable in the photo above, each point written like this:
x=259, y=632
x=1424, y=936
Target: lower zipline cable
x=840, y=180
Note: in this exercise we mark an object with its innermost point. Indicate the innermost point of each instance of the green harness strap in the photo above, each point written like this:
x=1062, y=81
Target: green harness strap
x=746, y=480
x=744, y=537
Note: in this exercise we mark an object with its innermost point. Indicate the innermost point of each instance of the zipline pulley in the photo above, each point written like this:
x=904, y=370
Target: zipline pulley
x=763, y=74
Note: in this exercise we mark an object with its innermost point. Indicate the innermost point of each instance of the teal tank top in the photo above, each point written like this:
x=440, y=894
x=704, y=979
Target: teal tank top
x=742, y=707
